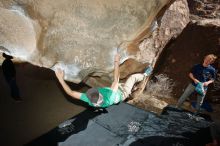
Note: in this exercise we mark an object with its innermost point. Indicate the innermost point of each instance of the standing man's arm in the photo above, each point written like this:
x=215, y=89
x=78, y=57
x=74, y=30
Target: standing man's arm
x=197, y=81
x=60, y=75
x=212, y=79
x=193, y=78
x=208, y=82
x=115, y=83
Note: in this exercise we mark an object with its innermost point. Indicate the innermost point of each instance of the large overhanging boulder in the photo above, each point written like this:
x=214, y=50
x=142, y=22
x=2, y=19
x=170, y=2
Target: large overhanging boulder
x=78, y=36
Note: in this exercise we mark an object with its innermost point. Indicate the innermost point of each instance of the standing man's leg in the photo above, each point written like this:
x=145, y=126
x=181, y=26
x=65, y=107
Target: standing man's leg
x=188, y=91
x=127, y=87
x=200, y=99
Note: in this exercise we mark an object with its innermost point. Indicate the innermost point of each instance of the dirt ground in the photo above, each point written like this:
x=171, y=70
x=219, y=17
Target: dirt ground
x=44, y=106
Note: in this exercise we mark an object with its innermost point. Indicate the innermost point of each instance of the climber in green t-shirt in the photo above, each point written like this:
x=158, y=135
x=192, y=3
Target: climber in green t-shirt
x=105, y=96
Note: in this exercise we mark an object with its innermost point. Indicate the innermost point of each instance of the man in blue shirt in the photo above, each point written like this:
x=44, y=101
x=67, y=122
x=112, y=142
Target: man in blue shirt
x=201, y=75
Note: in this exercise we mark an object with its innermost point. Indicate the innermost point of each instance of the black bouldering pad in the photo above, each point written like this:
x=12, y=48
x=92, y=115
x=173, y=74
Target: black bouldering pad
x=124, y=125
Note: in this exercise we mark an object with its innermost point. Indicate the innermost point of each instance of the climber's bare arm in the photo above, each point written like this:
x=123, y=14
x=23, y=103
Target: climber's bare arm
x=60, y=76
x=115, y=83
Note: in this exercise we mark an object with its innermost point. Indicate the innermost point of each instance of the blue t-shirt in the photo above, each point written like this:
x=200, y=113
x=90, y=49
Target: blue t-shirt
x=202, y=73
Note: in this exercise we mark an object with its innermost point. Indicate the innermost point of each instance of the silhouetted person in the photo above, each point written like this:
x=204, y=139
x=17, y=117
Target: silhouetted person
x=10, y=76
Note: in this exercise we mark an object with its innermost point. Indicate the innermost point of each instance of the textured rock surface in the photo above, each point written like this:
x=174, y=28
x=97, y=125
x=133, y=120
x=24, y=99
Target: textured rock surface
x=205, y=12
x=76, y=35
x=168, y=26
x=205, y=8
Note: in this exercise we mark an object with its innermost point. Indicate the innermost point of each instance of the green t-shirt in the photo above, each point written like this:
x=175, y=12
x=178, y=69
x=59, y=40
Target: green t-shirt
x=109, y=97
